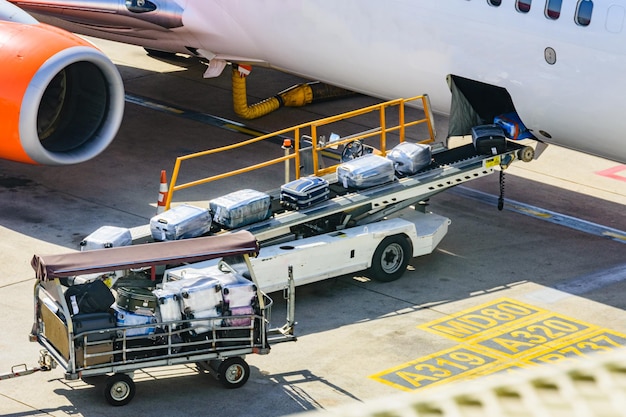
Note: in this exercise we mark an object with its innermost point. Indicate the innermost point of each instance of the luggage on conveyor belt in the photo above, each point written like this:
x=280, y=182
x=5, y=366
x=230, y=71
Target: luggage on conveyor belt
x=489, y=139
x=181, y=222
x=304, y=192
x=107, y=237
x=240, y=208
x=408, y=157
x=366, y=171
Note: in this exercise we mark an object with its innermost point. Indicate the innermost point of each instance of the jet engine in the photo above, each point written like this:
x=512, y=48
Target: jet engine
x=61, y=99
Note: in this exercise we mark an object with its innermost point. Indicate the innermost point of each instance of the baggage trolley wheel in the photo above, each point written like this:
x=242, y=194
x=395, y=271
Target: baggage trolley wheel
x=233, y=372
x=119, y=390
x=390, y=259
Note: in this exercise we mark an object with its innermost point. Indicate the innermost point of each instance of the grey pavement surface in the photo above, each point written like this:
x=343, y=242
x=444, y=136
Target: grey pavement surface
x=348, y=329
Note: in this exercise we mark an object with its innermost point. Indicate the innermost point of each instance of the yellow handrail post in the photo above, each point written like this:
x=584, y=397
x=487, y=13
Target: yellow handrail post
x=314, y=145
x=401, y=120
x=383, y=131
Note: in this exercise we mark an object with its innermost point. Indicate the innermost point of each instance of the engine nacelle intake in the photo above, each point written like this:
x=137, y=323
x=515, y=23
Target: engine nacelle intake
x=61, y=99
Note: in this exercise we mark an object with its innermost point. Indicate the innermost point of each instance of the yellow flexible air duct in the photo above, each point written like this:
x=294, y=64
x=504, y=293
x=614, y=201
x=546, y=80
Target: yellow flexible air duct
x=296, y=96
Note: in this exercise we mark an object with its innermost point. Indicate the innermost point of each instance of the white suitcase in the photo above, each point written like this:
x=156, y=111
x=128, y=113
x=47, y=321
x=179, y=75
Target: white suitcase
x=203, y=326
x=240, y=208
x=366, y=171
x=168, y=305
x=200, y=295
x=181, y=222
x=237, y=291
x=107, y=237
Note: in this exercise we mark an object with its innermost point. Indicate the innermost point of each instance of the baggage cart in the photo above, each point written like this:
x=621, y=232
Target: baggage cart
x=117, y=349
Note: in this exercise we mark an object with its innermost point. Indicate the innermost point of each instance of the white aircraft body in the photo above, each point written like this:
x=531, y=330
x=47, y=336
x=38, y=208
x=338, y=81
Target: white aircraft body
x=558, y=64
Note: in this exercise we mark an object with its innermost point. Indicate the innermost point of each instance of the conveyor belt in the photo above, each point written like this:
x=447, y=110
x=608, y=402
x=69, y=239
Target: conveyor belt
x=449, y=168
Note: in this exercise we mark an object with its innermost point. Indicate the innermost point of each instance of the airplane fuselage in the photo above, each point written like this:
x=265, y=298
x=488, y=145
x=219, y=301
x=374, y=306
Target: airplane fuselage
x=563, y=77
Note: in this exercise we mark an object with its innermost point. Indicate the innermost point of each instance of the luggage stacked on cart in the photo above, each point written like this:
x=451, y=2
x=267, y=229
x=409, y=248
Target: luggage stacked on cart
x=181, y=222
x=240, y=208
x=366, y=171
x=409, y=158
x=304, y=192
x=90, y=309
x=134, y=307
x=210, y=301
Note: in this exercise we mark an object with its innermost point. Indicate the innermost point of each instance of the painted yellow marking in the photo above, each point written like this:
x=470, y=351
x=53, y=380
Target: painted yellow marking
x=492, y=162
x=501, y=336
x=475, y=322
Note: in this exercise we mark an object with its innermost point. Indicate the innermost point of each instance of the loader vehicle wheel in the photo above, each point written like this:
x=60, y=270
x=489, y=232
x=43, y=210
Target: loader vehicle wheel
x=390, y=259
x=120, y=389
x=233, y=372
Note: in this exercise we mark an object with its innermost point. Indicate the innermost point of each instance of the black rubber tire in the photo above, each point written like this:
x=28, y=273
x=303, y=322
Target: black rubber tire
x=390, y=259
x=119, y=390
x=233, y=372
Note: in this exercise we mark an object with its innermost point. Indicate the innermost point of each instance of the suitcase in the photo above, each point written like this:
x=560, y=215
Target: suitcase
x=408, y=158
x=304, y=192
x=366, y=171
x=87, y=322
x=238, y=321
x=105, y=349
x=200, y=295
x=168, y=305
x=489, y=139
x=203, y=326
x=512, y=126
x=240, y=208
x=126, y=318
x=107, y=237
x=91, y=297
x=136, y=300
x=181, y=222
x=237, y=291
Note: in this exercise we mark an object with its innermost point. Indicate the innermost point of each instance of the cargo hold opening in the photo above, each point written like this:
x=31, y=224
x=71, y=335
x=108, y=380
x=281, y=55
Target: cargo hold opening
x=475, y=103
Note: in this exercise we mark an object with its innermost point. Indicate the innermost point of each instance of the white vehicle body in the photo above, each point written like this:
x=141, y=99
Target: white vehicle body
x=337, y=253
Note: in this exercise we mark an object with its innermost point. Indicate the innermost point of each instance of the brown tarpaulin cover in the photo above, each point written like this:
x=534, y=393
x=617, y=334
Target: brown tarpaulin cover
x=48, y=267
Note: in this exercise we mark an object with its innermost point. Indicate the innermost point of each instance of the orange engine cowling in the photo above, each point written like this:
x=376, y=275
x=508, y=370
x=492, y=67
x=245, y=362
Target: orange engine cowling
x=61, y=99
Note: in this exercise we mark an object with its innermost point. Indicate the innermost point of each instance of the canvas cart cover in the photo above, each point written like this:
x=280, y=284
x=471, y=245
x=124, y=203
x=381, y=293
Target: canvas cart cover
x=48, y=267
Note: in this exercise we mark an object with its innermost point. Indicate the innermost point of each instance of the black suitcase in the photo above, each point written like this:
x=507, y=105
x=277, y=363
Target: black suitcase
x=91, y=297
x=87, y=322
x=304, y=192
x=489, y=139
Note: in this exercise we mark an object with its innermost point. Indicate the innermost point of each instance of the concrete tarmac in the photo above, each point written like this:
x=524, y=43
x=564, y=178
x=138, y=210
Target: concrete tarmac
x=357, y=339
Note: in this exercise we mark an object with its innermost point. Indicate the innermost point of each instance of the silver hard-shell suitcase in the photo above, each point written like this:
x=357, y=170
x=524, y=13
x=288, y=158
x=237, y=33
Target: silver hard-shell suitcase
x=408, y=157
x=240, y=208
x=107, y=237
x=181, y=222
x=366, y=171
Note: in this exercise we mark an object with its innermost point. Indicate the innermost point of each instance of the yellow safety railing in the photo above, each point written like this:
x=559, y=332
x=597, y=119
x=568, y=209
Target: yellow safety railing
x=318, y=147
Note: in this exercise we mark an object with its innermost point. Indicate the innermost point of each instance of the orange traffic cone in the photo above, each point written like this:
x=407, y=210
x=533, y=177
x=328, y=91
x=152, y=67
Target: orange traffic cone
x=162, y=193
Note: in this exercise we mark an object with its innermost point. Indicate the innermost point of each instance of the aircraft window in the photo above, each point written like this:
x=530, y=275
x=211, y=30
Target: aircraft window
x=523, y=6
x=494, y=2
x=583, y=12
x=553, y=9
